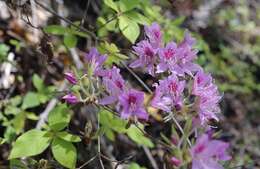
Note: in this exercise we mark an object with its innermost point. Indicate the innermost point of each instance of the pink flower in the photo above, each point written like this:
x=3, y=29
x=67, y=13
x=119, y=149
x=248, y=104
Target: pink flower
x=147, y=56
x=114, y=84
x=185, y=57
x=207, y=152
x=208, y=97
x=70, y=98
x=168, y=94
x=131, y=104
x=70, y=77
x=95, y=60
x=154, y=34
x=175, y=161
x=168, y=57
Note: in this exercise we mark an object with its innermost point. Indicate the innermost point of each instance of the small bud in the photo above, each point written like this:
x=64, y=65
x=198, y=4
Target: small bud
x=70, y=98
x=71, y=77
x=175, y=161
x=174, y=140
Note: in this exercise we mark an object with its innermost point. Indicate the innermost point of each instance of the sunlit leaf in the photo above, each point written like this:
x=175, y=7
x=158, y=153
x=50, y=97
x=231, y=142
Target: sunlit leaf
x=31, y=143
x=64, y=152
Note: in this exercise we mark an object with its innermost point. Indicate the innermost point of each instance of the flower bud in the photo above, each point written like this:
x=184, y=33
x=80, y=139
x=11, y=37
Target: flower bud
x=176, y=162
x=71, y=77
x=70, y=98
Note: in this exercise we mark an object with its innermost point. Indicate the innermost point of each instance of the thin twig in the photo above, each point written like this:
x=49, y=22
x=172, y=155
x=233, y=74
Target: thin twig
x=84, y=17
x=67, y=20
x=180, y=128
x=137, y=78
x=89, y=161
x=150, y=157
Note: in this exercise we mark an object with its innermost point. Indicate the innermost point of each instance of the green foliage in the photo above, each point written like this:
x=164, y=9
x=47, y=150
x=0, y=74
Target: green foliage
x=3, y=51
x=135, y=166
x=35, y=141
x=112, y=124
x=129, y=28
x=64, y=152
x=69, y=34
x=68, y=137
x=30, y=100
x=127, y=18
x=114, y=55
x=59, y=117
x=31, y=143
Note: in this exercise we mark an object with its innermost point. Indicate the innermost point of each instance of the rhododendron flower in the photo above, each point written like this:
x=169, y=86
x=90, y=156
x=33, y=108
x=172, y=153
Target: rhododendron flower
x=70, y=77
x=70, y=98
x=185, y=57
x=208, y=97
x=168, y=94
x=147, y=56
x=114, y=84
x=168, y=57
x=131, y=103
x=95, y=60
x=206, y=153
x=154, y=34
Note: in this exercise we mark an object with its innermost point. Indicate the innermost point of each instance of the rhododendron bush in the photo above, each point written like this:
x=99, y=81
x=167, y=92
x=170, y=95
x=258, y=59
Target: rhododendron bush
x=181, y=87
x=126, y=85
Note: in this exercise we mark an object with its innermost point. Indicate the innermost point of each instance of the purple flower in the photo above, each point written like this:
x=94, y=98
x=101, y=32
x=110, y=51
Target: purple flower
x=185, y=57
x=131, y=103
x=95, y=60
x=168, y=94
x=70, y=77
x=207, y=152
x=175, y=161
x=114, y=84
x=208, y=97
x=168, y=57
x=147, y=56
x=154, y=34
x=70, y=98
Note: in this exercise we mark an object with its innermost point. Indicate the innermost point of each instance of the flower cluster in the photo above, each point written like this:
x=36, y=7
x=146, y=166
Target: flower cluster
x=178, y=61
x=129, y=102
x=184, y=78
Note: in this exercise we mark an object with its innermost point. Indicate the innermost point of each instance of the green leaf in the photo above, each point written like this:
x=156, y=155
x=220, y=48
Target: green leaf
x=139, y=18
x=137, y=136
x=70, y=40
x=113, y=53
x=15, y=101
x=129, y=28
x=37, y=82
x=68, y=137
x=135, y=166
x=19, y=121
x=9, y=134
x=31, y=143
x=3, y=51
x=127, y=5
x=30, y=100
x=2, y=140
x=43, y=97
x=31, y=116
x=12, y=110
x=56, y=29
x=64, y=152
x=59, y=117
x=111, y=4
